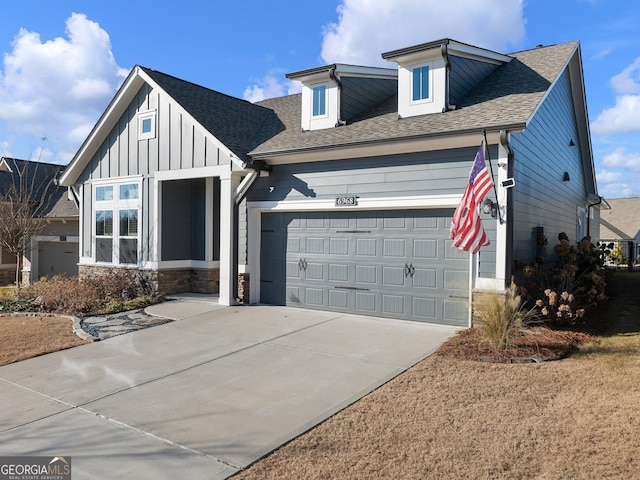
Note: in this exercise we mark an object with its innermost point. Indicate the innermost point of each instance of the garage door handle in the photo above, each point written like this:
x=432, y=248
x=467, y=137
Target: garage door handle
x=352, y=288
x=409, y=270
x=302, y=264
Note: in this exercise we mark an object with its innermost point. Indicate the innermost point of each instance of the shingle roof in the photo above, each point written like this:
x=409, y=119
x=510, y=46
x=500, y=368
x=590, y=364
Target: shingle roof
x=506, y=98
x=235, y=122
x=40, y=180
x=622, y=222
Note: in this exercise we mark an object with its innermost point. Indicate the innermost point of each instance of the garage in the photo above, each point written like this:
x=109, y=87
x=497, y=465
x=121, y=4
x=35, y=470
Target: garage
x=56, y=258
x=390, y=263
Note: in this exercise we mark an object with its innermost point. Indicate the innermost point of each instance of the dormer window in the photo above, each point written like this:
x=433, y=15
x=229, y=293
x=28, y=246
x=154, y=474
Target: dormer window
x=421, y=83
x=319, y=100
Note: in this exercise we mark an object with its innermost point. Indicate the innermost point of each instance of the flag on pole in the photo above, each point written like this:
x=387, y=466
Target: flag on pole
x=467, y=232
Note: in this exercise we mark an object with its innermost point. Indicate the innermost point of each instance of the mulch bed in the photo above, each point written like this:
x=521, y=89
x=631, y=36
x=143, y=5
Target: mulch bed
x=537, y=344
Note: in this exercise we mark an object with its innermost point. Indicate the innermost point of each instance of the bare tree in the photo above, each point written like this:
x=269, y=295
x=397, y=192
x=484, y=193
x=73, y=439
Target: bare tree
x=24, y=200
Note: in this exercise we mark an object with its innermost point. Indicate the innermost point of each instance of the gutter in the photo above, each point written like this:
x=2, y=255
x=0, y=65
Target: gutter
x=594, y=202
x=336, y=80
x=447, y=65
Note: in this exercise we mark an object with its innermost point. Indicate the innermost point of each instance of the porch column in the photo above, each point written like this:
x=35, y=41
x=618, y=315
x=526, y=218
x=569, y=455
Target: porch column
x=227, y=226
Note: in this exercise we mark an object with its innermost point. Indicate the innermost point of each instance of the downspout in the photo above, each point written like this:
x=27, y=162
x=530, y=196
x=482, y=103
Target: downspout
x=594, y=204
x=336, y=80
x=504, y=141
x=444, y=51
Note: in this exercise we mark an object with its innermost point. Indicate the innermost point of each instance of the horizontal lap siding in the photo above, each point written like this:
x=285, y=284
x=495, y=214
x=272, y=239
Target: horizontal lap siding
x=541, y=156
x=466, y=74
x=429, y=173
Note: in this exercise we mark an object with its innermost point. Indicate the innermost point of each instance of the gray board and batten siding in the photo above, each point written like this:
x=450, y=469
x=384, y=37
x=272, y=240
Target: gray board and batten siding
x=426, y=173
x=178, y=144
x=542, y=153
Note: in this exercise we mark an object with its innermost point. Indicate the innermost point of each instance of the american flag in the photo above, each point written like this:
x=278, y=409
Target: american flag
x=467, y=232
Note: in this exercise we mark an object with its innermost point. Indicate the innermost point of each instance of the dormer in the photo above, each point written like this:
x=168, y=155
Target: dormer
x=433, y=76
x=334, y=94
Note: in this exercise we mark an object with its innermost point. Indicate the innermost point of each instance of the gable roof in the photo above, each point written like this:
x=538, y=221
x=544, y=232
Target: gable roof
x=39, y=179
x=235, y=124
x=233, y=121
x=506, y=99
x=622, y=221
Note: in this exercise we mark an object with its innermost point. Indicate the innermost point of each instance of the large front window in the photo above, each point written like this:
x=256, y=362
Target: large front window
x=117, y=242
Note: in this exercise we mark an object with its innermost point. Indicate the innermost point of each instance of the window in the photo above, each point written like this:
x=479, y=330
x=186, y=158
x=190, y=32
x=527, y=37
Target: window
x=319, y=100
x=147, y=125
x=420, y=83
x=117, y=242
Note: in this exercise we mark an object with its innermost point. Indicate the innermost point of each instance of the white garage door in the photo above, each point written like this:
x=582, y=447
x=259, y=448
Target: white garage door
x=397, y=264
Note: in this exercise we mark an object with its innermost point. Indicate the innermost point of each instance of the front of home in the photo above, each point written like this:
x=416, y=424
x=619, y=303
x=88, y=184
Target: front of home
x=341, y=197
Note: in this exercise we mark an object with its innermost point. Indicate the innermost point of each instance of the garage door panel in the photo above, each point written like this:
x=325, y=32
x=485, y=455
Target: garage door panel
x=393, y=276
x=366, y=274
x=338, y=272
x=427, y=249
x=365, y=302
x=425, y=278
x=366, y=247
x=394, y=247
x=389, y=263
x=338, y=299
x=425, y=308
x=393, y=304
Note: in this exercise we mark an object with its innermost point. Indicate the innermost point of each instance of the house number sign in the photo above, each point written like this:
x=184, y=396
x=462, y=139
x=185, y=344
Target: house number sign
x=346, y=201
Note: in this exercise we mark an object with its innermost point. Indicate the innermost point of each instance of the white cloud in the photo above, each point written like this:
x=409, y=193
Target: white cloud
x=618, y=190
x=624, y=117
x=621, y=158
x=366, y=29
x=55, y=88
x=269, y=87
x=628, y=81
x=606, y=176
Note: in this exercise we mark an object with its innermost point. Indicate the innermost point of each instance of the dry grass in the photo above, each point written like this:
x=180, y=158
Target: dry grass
x=25, y=337
x=453, y=418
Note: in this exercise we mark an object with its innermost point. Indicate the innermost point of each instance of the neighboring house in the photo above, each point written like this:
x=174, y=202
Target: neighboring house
x=621, y=225
x=341, y=197
x=55, y=249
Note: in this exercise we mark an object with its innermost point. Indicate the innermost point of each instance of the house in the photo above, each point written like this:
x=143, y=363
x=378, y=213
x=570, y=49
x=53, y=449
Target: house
x=340, y=197
x=621, y=225
x=54, y=248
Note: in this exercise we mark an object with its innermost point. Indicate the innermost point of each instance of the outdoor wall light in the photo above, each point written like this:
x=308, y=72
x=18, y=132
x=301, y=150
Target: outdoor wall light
x=565, y=177
x=571, y=144
x=489, y=206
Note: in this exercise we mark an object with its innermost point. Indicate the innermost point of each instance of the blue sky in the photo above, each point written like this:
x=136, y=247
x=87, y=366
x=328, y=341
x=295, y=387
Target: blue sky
x=63, y=61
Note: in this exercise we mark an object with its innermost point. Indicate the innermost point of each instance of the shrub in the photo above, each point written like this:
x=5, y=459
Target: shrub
x=501, y=316
x=112, y=292
x=564, y=294
x=617, y=256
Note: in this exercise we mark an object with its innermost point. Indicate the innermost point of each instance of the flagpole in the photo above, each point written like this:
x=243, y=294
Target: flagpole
x=495, y=191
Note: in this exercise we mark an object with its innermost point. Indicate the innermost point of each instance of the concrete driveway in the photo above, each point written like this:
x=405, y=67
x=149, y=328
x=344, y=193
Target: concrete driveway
x=204, y=396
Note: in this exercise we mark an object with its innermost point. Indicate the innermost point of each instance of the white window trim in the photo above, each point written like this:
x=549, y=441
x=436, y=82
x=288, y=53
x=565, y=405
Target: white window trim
x=149, y=114
x=411, y=68
x=115, y=205
x=326, y=100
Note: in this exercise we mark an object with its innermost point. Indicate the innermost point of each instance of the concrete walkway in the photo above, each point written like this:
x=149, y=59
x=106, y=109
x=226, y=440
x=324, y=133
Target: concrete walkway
x=205, y=395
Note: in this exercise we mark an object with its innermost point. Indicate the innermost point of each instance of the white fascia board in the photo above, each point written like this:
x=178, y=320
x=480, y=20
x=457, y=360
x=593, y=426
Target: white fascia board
x=375, y=149
x=470, y=51
x=368, y=72
x=107, y=121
